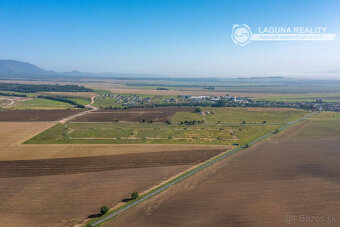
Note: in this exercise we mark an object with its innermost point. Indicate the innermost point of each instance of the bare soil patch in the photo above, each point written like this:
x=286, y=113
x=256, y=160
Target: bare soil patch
x=36, y=115
x=57, y=200
x=256, y=187
x=54, y=190
x=132, y=115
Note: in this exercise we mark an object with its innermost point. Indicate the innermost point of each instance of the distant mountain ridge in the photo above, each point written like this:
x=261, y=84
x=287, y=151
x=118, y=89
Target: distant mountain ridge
x=13, y=67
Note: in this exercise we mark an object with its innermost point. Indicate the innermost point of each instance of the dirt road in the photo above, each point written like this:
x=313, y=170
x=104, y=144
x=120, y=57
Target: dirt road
x=92, y=108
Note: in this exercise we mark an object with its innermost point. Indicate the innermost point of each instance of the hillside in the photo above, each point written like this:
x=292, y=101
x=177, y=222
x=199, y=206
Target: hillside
x=13, y=67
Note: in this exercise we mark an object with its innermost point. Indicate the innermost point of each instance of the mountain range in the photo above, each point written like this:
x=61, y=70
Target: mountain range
x=19, y=69
x=13, y=67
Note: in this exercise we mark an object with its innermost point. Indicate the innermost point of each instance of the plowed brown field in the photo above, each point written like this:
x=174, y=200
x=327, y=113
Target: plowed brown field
x=36, y=115
x=56, y=184
x=133, y=115
x=56, y=200
x=59, y=166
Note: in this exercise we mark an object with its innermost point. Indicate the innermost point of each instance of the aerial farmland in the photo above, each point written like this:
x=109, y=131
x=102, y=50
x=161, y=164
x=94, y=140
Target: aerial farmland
x=169, y=113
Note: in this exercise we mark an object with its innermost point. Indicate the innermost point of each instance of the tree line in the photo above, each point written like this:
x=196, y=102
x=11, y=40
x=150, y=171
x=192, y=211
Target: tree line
x=62, y=100
x=12, y=94
x=32, y=88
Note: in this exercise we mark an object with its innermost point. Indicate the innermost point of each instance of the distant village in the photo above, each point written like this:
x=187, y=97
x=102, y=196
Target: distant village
x=137, y=101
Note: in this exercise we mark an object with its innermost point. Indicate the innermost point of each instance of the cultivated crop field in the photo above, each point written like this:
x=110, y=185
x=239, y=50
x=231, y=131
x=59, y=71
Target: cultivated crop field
x=253, y=115
x=281, y=177
x=217, y=130
x=149, y=133
x=39, y=103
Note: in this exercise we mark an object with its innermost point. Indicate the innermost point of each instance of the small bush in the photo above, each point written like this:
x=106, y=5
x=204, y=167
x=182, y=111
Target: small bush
x=134, y=195
x=104, y=210
x=198, y=110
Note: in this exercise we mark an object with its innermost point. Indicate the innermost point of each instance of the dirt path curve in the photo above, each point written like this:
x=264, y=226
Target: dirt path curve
x=12, y=101
x=92, y=108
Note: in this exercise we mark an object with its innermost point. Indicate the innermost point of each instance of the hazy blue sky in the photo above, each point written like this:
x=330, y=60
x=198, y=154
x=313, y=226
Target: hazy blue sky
x=167, y=37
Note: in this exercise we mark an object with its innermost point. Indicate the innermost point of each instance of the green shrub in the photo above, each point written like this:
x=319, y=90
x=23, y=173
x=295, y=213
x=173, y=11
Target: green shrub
x=134, y=195
x=104, y=210
x=198, y=110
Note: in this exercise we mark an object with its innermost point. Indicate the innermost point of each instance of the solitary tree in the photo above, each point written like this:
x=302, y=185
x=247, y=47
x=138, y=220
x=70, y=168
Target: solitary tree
x=134, y=195
x=264, y=122
x=104, y=210
x=198, y=109
x=243, y=122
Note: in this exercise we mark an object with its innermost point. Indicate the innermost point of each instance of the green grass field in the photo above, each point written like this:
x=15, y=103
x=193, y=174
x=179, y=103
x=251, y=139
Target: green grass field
x=252, y=115
x=40, y=103
x=81, y=101
x=160, y=133
x=148, y=133
x=320, y=128
x=186, y=116
x=326, y=114
x=106, y=102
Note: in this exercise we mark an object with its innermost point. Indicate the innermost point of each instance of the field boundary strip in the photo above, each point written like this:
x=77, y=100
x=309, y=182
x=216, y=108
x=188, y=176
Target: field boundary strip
x=185, y=175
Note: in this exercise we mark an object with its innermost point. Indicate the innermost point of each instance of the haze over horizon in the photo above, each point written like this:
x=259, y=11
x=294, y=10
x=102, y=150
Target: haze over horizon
x=168, y=38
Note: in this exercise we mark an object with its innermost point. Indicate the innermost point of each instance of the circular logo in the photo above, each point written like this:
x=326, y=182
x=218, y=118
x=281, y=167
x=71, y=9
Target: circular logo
x=241, y=34
x=289, y=219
